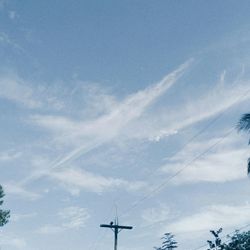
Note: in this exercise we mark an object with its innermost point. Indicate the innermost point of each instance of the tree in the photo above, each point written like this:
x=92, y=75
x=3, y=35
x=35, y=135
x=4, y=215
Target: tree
x=168, y=242
x=239, y=241
x=4, y=214
x=217, y=243
x=244, y=124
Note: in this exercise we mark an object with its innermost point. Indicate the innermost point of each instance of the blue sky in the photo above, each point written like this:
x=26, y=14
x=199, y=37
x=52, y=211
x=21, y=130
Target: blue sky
x=126, y=106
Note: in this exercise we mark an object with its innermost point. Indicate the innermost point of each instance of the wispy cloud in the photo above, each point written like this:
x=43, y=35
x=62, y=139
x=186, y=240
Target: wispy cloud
x=220, y=98
x=212, y=217
x=156, y=214
x=126, y=118
x=70, y=217
x=51, y=229
x=74, y=217
x=19, y=217
x=73, y=179
x=7, y=41
x=76, y=180
x=15, y=89
x=9, y=155
x=223, y=95
x=14, y=189
x=12, y=241
x=226, y=162
x=97, y=100
x=107, y=127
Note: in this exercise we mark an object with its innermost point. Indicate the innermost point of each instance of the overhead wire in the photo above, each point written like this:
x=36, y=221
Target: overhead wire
x=165, y=220
x=188, y=142
x=162, y=185
x=221, y=114
x=197, y=157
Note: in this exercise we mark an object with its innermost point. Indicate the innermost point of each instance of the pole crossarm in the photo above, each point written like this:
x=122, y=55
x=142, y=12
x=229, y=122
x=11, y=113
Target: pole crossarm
x=116, y=229
x=116, y=226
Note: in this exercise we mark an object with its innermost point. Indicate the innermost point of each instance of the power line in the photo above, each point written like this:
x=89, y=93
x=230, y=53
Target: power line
x=178, y=172
x=208, y=125
x=190, y=140
x=161, y=221
x=163, y=184
x=158, y=188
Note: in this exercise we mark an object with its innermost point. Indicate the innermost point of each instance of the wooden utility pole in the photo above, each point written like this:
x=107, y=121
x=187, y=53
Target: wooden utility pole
x=116, y=229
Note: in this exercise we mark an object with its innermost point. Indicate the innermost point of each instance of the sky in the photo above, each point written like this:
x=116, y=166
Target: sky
x=123, y=108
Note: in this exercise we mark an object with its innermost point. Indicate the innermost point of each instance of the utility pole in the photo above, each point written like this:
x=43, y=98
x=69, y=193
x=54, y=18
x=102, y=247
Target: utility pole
x=116, y=229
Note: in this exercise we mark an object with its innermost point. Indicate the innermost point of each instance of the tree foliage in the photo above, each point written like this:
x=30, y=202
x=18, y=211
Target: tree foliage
x=216, y=244
x=239, y=241
x=4, y=214
x=244, y=124
x=168, y=242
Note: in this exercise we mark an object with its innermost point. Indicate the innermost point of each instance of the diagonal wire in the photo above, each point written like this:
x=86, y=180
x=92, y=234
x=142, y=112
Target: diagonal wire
x=164, y=183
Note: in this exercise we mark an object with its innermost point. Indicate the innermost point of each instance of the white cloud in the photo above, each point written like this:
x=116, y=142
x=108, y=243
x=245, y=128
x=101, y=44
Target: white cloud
x=94, y=133
x=51, y=229
x=60, y=125
x=74, y=217
x=217, y=99
x=6, y=40
x=20, y=217
x=9, y=155
x=12, y=241
x=156, y=214
x=15, y=89
x=225, y=162
x=126, y=118
x=212, y=217
x=19, y=191
x=76, y=180
x=97, y=101
x=71, y=218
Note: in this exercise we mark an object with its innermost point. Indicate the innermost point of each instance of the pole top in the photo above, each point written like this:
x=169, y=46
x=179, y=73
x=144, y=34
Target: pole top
x=116, y=226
